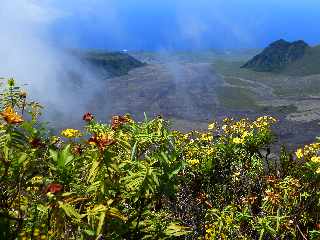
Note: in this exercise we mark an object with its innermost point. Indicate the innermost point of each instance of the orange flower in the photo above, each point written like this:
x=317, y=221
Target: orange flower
x=102, y=141
x=272, y=197
x=203, y=199
x=10, y=116
x=249, y=200
x=118, y=121
x=271, y=179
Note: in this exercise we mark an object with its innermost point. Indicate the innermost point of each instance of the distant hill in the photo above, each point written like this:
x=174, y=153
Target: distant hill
x=279, y=56
x=114, y=63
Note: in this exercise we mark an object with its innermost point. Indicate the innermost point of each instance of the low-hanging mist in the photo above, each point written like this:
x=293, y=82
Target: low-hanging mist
x=53, y=76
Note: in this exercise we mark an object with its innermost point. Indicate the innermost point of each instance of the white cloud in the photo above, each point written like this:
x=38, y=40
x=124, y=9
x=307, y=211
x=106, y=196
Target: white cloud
x=28, y=54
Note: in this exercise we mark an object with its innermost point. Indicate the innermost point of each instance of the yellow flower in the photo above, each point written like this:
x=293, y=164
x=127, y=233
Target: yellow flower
x=245, y=134
x=55, y=140
x=11, y=82
x=193, y=162
x=10, y=116
x=36, y=232
x=236, y=176
x=206, y=137
x=318, y=171
x=227, y=120
x=299, y=153
x=37, y=180
x=237, y=140
x=315, y=159
x=212, y=126
x=211, y=151
x=226, y=128
x=71, y=133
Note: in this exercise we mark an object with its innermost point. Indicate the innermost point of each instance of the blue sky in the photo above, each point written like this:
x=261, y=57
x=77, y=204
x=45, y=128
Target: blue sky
x=188, y=24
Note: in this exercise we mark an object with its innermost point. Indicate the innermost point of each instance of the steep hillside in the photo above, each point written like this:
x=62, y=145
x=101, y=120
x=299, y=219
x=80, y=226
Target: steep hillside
x=278, y=56
x=114, y=63
x=308, y=65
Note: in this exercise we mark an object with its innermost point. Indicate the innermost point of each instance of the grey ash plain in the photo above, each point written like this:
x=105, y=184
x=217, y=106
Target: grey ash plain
x=192, y=89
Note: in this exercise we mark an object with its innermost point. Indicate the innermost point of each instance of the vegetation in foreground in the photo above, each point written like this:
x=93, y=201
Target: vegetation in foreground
x=139, y=180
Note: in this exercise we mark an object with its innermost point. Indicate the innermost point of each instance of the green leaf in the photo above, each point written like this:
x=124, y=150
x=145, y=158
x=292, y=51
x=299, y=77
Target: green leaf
x=115, y=213
x=70, y=211
x=54, y=155
x=67, y=194
x=89, y=232
x=134, y=150
x=22, y=158
x=93, y=171
x=66, y=155
x=175, y=230
x=101, y=222
x=93, y=187
x=42, y=208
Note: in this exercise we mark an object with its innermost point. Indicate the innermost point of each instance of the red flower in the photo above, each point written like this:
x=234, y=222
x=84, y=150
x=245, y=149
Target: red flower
x=54, y=188
x=88, y=117
x=78, y=149
x=36, y=143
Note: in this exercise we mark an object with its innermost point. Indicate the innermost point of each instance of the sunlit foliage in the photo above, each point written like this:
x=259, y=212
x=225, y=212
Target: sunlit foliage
x=141, y=180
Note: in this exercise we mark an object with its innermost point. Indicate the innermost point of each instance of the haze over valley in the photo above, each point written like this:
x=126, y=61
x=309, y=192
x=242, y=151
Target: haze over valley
x=191, y=89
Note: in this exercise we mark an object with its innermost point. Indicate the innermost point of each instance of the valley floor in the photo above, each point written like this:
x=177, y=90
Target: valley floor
x=192, y=93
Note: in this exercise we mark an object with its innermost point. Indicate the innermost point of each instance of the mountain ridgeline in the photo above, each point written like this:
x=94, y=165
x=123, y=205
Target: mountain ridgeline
x=292, y=58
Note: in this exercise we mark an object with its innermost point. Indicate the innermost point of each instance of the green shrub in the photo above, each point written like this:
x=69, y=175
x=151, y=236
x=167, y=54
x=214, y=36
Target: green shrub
x=140, y=180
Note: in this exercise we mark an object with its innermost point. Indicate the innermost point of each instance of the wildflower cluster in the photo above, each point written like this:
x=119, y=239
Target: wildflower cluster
x=198, y=146
x=102, y=140
x=308, y=151
x=311, y=154
x=243, y=131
